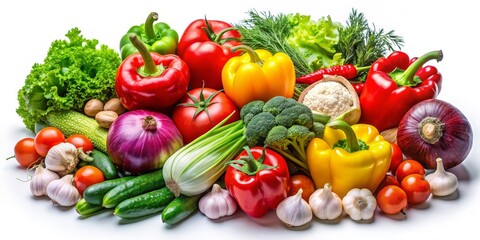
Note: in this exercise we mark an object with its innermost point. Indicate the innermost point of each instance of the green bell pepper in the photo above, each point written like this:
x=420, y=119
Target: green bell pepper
x=157, y=37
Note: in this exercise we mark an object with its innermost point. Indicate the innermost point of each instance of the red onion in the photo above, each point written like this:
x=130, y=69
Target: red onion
x=140, y=141
x=434, y=129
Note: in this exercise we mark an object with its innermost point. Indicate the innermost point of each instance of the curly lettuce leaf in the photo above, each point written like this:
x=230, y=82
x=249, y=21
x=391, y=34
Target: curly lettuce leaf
x=73, y=72
x=316, y=40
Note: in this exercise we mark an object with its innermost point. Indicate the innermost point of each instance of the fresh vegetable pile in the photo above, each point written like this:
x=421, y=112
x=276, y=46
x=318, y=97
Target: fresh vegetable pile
x=307, y=118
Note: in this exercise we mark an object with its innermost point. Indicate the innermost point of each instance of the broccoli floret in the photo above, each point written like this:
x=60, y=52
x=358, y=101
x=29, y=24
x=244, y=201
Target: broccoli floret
x=299, y=137
x=277, y=104
x=318, y=129
x=297, y=114
x=251, y=109
x=258, y=128
x=276, y=138
x=291, y=142
x=282, y=124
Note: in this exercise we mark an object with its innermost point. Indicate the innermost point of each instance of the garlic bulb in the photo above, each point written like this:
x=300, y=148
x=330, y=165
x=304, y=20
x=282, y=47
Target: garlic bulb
x=62, y=192
x=294, y=211
x=40, y=180
x=217, y=203
x=442, y=183
x=325, y=204
x=62, y=158
x=359, y=204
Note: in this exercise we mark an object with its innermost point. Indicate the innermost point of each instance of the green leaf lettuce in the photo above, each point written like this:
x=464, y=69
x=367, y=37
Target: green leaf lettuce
x=73, y=72
x=316, y=40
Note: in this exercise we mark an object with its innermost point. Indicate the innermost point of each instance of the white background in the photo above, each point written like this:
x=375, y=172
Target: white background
x=28, y=28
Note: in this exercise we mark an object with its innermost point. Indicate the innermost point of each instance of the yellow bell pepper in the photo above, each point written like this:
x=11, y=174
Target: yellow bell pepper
x=349, y=157
x=258, y=75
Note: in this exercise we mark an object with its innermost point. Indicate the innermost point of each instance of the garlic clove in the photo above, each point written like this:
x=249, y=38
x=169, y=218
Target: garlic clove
x=217, y=203
x=359, y=204
x=294, y=211
x=62, y=158
x=326, y=204
x=442, y=183
x=40, y=180
x=62, y=192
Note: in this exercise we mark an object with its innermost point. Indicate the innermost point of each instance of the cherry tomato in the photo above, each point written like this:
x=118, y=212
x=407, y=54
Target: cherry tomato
x=387, y=180
x=86, y=176
x=80, y=141
x=391, y=199
x=408, y=167
x=304, y=182
x=25, y=153
x=47, y=138
x=200, y=110
x=416, y=188
x=397, y=157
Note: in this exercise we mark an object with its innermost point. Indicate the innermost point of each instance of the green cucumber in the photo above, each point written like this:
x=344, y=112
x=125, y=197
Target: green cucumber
x=94, y=194
x=86, y=209
x=103, y=162
x=134, y=187
x=144, y=204
x=180, y=208
x=72, y=122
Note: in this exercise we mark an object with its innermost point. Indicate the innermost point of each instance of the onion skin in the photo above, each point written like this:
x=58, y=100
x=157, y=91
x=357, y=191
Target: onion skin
x=138, y=148
x=452, y=144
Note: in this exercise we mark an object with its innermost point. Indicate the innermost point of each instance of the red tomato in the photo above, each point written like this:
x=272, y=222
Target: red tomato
x=391, y=199
x=416, y=188
x=86, y=176
x=387, y=180
x=80, y=141
x=25, y=153
x=47, y=138
x=304, y=182
x=200, y=110
x=408, y=167
x=397, y=157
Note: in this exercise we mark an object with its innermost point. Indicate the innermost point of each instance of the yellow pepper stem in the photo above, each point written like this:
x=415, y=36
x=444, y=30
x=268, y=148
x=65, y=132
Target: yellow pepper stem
x=254, y=58
x=351, y=139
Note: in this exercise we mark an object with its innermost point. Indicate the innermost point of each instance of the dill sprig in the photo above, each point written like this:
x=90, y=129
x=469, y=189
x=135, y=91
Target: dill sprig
x=264, y=30
x=362, y=44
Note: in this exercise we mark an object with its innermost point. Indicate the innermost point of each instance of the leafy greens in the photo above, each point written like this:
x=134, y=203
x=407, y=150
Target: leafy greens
x=314, y=44
x=72, y=73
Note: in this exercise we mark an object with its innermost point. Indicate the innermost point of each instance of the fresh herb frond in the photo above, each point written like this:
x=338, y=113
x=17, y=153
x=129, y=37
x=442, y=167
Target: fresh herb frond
x=362, y=44
x=264, y=30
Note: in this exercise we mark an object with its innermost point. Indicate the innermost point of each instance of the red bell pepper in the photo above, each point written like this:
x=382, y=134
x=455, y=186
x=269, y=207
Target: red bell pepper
x=394, y=84
x=258, y=180
x=148, y=80
x=205, y=47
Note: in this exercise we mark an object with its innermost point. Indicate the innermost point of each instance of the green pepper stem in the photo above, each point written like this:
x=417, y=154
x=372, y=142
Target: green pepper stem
x=254, y=58
x=407, y=78
x=352, y=142
x=149, y=68
x=152, y=17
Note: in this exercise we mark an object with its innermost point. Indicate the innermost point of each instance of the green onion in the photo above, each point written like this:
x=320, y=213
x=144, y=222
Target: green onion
x=195, y=167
